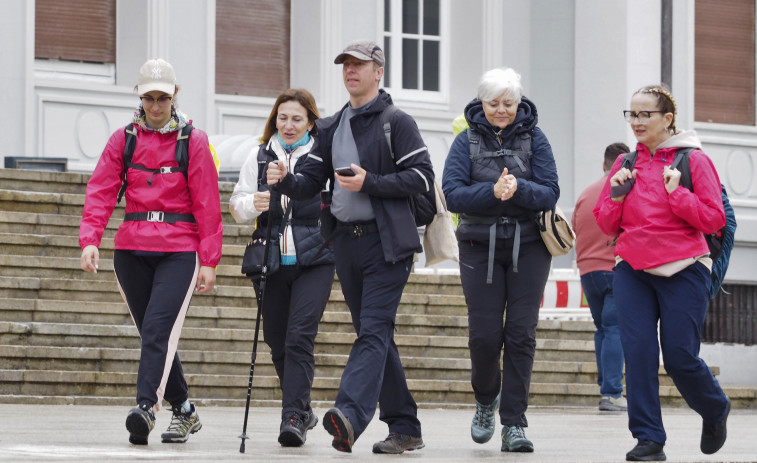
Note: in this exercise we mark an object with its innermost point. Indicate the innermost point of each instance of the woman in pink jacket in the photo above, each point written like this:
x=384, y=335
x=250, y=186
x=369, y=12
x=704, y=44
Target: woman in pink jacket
x=168, y=244
x=662, y=272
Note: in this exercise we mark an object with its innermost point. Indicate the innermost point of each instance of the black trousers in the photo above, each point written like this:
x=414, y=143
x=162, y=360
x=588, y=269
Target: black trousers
x=502, y=319
x=158, y=287
x=292, y=309
x=372, y=289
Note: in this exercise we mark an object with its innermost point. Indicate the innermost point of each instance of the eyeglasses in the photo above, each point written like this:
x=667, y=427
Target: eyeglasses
x=641, y=116
x=148, y=100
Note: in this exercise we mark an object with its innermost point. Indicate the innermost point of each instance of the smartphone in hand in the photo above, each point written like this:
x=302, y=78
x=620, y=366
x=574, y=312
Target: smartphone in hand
x=345, y=171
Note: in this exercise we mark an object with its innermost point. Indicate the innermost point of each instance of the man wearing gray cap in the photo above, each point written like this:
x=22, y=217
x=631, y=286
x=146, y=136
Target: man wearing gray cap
x=375, y=239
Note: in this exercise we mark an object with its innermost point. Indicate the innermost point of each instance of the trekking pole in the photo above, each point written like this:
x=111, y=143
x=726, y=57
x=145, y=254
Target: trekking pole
x=260, y=299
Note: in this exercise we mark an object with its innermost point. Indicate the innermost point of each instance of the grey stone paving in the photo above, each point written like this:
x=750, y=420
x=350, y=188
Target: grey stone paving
x=62, y=433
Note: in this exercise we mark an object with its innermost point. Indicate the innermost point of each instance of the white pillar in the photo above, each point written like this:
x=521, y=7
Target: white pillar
x=17, y=78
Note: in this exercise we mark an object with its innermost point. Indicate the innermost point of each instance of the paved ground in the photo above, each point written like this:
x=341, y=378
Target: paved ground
x=95, y=433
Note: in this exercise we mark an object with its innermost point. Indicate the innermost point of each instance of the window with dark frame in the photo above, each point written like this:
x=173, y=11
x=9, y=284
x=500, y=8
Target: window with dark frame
x=419, y=39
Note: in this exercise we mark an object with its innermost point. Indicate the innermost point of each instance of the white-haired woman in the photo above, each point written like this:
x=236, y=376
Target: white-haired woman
x=499, y=174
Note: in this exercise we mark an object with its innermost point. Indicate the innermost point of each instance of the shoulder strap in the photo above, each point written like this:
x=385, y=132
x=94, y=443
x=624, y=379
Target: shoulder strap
x=181, y=156
x=386, y=123
x=474, y=143
x=629, y=160
x=681, y=162
x=182, y=148
x=264, y=157
x=130, y=137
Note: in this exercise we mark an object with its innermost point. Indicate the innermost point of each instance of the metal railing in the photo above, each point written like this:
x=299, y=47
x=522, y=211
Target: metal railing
x=732, y=316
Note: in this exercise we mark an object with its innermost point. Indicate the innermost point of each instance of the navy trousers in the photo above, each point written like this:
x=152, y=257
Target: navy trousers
x=294, y=302
x=502, y=319
x=372, y=289
x=679, y=304
x=158, y=287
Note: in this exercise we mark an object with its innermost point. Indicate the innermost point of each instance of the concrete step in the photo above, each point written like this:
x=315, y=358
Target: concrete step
x=68, y=246
x=100, y=359
x=125, y=336
x=31, y=223
x=232, y=389
x=43, y=202
x=67, y=337
x=65, y=182
x=90, y=288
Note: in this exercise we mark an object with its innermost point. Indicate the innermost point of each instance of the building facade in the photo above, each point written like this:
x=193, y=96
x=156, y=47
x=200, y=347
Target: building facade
x=69, y=69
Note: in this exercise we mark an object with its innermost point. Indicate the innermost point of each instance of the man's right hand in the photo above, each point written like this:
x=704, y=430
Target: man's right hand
x=276, y=172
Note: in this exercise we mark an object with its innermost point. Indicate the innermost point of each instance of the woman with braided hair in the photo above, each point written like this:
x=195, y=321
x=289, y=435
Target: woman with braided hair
x=662, y=272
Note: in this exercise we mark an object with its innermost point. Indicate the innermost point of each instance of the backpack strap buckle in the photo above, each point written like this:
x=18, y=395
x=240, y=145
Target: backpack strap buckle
x=166, y=170
x=155, y=216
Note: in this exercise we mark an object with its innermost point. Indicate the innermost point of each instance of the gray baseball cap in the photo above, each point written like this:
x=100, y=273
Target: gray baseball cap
x=365, y=50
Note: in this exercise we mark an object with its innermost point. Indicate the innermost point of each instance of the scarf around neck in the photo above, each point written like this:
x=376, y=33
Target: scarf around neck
x=177, y=121
x=301, y=142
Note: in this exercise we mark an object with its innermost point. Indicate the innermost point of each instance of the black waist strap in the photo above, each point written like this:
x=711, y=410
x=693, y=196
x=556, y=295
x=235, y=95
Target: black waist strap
x=357, y=229
x=158, y=216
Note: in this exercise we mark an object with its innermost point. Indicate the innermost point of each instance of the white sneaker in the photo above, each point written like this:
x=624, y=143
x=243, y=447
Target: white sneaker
x=611, y=404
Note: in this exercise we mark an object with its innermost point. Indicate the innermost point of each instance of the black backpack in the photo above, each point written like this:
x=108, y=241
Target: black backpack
x=423, y=205
x=182, y=156
x=720, y=243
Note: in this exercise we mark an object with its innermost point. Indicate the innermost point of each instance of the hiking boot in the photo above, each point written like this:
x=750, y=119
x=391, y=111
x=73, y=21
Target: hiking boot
x=182, y=425
x=340, y=427
x=514, y=440
x=398, y=443
x=482, y=427
x=713, y=435
x=612, y=404
x=294, y=428
x=139, y=423
x=646, y=450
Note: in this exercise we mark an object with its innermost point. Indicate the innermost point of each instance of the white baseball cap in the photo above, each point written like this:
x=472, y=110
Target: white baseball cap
x=156, y=74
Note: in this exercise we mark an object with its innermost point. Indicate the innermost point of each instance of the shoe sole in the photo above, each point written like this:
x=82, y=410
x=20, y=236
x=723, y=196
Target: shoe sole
x=520, y=449
x=612, y=408
x=290, y=438
x=181, y=440
x=377, y=449
x=335, y=425
x=523, y=448
x=138, y=428
x=655, y=457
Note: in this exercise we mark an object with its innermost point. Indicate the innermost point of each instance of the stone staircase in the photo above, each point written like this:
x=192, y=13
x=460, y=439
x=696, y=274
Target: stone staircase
x=66, y=336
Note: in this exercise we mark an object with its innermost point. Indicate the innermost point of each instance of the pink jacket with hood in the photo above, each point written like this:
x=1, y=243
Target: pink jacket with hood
x=655, y=228
x=198, y=195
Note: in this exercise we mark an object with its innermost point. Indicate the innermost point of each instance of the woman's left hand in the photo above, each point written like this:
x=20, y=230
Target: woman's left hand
x=672, y=178
x=206, y=279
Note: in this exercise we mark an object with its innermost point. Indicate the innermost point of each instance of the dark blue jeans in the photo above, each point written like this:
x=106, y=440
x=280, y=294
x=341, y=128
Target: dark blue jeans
x=597, y=287
x=679, y=304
